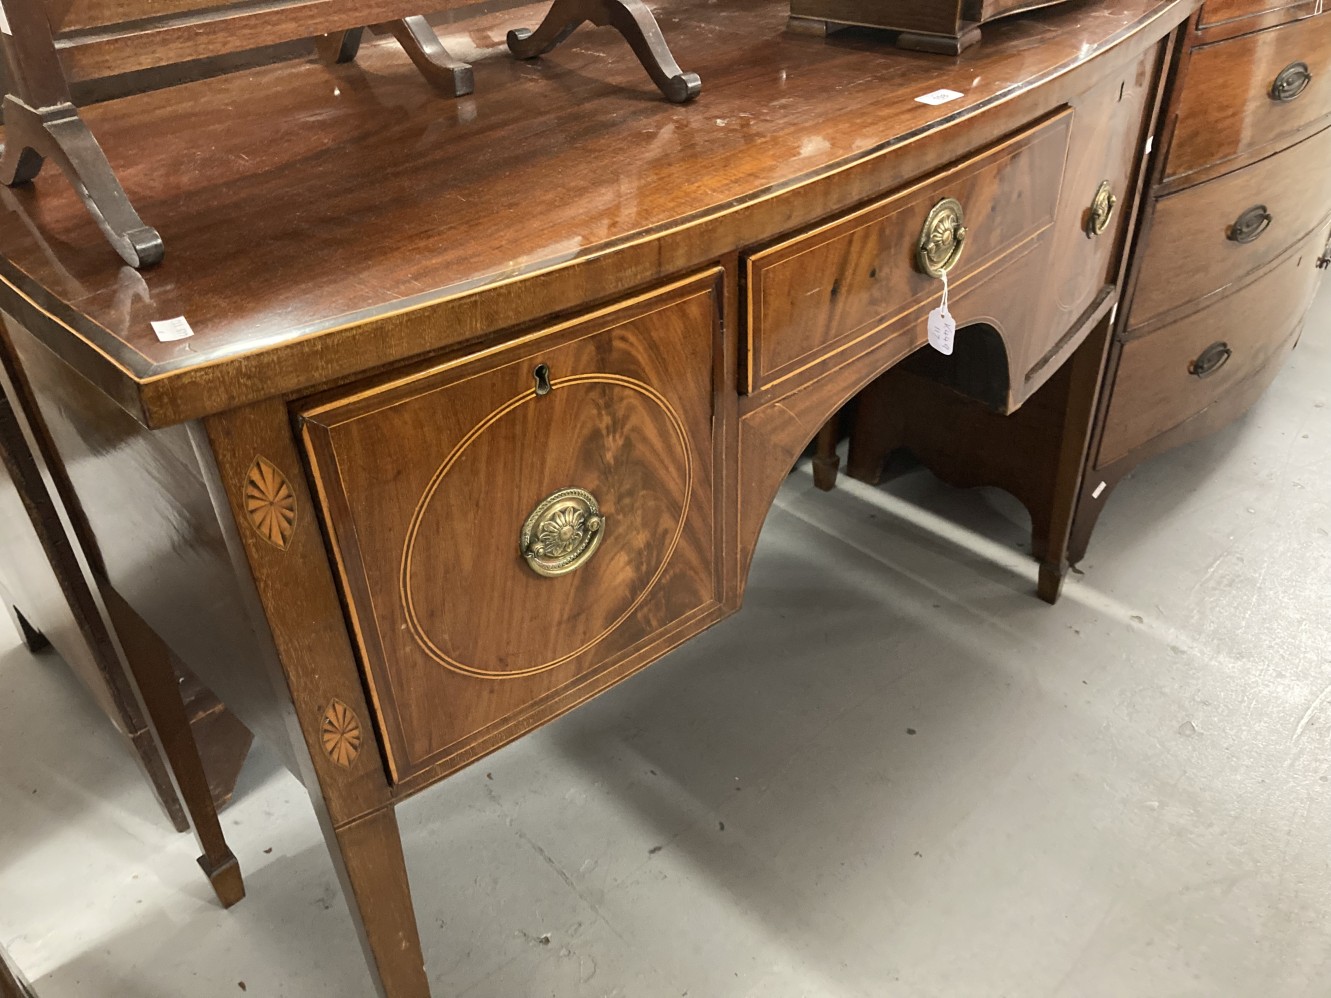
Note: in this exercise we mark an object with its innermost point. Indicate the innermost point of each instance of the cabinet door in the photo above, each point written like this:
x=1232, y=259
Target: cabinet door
x=519, y=530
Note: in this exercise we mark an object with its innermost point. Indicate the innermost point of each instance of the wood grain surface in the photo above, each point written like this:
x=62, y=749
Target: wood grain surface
x=279, y=300
x=1215, y=11
x=1191, y=257
x=842, y=282
x=1155, y=386
x=426, y=481
x=1226, y=109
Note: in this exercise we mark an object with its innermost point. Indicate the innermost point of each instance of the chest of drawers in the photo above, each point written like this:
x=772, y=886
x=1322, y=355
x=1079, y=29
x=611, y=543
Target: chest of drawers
x=1234, y=238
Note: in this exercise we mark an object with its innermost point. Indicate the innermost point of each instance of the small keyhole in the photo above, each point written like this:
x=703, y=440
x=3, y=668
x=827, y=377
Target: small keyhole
x=542, y=376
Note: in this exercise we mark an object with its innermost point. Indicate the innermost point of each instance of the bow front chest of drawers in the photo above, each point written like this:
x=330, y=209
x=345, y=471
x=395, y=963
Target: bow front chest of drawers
x=440, y=417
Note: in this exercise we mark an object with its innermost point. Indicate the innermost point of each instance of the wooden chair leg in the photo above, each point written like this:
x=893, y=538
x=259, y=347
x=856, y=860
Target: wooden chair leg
x=632, y=19
x=373, y=871
x=59, y=134
x=155, y=674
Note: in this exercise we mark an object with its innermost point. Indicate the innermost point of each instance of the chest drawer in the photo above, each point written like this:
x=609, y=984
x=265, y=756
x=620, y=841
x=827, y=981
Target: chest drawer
x=509, y=528
x=830, y=289
x=1176, y=372
x=1205, y=238
x=1248, y=92
x=1216, y=11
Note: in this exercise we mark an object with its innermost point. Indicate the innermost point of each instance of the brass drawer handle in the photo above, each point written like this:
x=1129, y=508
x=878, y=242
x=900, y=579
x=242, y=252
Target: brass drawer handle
x=1251, y=224
x=1102, y=209
x=942, y=239
x=562, y=533
x=1210, y=360
x=1290, y=82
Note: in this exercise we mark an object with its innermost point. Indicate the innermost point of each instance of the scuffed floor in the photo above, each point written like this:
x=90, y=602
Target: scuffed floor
x=895, y=773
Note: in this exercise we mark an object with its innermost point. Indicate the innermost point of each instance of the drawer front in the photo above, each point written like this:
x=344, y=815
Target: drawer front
x=1251, y=91
x=834, y=287
x=1170, y=375
x=509, y=529
x=1107, y=133
x=1204, y=239
x=1216, y=11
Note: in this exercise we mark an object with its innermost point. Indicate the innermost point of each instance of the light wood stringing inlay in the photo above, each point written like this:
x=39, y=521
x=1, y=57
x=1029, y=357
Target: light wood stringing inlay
x=418, y=631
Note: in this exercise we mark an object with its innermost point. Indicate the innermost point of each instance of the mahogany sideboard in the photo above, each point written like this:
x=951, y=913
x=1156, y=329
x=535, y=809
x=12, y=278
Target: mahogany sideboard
x=458, y=412
x=1229, y=253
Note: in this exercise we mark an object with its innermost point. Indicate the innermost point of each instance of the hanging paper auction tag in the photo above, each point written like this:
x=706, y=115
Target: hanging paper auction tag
x=942, y=327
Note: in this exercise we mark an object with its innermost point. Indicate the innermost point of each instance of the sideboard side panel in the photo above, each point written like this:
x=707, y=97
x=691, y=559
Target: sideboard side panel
x=154, y=532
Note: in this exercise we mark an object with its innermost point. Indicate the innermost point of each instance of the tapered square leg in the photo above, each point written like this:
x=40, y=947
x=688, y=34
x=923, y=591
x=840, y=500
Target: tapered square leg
x=369, y=860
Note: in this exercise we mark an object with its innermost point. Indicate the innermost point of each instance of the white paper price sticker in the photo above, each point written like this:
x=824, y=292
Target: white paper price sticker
x=4, y=21
x=942, y=330
x=938, y=97
x=172, y=329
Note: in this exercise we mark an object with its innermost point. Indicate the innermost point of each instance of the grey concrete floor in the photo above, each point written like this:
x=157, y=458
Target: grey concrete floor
x=895, y=773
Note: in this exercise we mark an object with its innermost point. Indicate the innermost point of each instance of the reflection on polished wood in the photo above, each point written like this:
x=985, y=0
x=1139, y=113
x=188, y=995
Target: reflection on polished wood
x=785, y=115
x=318, y=499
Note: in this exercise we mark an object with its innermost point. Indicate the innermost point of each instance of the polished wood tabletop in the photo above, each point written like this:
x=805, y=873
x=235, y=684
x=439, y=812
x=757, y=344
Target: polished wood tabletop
x=405, y=206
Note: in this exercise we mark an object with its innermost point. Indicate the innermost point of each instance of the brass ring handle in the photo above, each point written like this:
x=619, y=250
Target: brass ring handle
x=1102, y=209
x=1251, y=224
x=942, y=239
x=1290, y=82
x=562, y=533
x=1210, y=360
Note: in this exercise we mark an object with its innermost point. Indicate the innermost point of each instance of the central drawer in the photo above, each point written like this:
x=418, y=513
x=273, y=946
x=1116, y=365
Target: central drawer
x=511, y=528
x=835, y=287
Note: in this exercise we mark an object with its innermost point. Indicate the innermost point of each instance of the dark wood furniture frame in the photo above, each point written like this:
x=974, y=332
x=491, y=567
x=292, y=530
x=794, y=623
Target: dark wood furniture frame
x=667, y=345
x=945, y=27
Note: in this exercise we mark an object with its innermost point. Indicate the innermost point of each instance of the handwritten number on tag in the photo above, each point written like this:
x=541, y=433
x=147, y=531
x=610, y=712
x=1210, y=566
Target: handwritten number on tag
x=942, y=330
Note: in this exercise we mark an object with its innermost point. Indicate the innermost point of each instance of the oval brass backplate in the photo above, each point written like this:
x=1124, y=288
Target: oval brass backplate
x=942, y=239
x=563, y=531
x=1102, y=209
